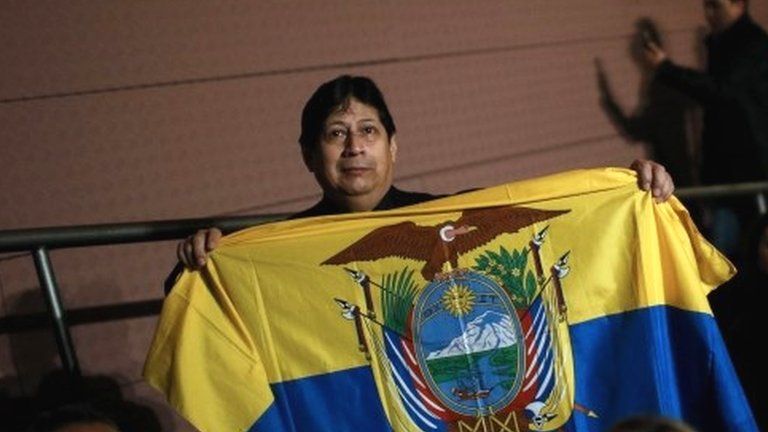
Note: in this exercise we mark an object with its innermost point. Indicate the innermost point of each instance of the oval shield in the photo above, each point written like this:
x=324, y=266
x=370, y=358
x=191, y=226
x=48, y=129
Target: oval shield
x=468, y=341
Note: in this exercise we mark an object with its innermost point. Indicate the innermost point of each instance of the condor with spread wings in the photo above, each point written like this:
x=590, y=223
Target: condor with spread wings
x=444, y=242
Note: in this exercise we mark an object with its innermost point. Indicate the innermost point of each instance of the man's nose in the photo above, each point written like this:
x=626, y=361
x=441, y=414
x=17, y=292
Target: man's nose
x=355, y=143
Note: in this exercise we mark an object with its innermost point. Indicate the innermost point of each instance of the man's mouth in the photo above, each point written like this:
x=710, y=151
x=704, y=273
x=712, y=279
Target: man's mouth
x=355, y=170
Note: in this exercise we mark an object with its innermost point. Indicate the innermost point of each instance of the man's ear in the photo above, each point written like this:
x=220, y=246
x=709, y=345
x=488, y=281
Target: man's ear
x=309, y=158
x=393, y=147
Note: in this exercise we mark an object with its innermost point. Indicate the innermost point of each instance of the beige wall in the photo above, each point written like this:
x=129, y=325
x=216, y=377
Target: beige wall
x=117, y=111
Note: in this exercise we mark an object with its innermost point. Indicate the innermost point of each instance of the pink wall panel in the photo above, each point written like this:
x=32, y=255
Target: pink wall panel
x=138, y=155
x=131, y=111
x=89, y=46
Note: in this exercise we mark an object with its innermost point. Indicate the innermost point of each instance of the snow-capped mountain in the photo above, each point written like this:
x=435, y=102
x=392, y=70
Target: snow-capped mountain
x=488, y=331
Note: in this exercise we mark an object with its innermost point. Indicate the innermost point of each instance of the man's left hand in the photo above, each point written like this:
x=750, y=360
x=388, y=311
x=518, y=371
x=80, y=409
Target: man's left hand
x=653, y=177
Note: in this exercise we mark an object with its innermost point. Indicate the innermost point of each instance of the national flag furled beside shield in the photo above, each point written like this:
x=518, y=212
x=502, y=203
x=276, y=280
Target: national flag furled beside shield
x=561, y=303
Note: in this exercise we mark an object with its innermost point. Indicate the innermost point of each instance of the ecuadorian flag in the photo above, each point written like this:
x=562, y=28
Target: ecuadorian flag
x=561, y=303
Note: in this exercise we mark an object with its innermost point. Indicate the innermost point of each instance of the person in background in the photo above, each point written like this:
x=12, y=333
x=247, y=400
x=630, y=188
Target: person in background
x=665, y=120
x=734, y=94
x=739, y=309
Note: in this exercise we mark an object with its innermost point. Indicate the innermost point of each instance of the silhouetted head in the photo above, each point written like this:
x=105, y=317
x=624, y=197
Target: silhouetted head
x=74, y=418
x=721, y=14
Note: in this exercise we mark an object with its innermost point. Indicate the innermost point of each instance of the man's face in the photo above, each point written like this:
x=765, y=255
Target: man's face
x=721, y=14
x=354, y=156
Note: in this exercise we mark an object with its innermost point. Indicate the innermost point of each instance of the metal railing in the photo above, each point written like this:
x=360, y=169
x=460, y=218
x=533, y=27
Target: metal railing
x=40, y=240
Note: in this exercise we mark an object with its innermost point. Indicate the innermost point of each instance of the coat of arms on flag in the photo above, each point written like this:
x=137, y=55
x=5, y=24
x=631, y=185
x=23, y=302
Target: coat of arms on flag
x=471, y=347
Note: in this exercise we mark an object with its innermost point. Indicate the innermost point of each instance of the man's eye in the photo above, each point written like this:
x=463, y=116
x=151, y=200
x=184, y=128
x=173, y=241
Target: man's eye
x=337, y=133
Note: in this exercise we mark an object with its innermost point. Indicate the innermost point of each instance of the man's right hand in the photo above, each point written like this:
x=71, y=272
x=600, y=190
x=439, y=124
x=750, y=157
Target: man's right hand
x=193, y=251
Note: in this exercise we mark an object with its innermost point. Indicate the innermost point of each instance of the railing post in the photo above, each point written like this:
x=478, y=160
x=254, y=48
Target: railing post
x=61, y=329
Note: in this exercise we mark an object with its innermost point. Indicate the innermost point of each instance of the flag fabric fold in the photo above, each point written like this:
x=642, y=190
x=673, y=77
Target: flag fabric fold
x=561, y=303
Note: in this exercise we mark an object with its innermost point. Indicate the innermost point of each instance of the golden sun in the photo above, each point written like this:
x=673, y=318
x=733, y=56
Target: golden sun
x=458, y=300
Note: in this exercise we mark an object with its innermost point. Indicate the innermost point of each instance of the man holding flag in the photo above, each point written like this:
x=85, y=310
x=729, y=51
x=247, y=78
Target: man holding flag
x=561, y=303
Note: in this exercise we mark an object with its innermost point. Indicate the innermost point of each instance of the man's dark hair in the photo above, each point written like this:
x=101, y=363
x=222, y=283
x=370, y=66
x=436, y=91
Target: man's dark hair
x=336, y=94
